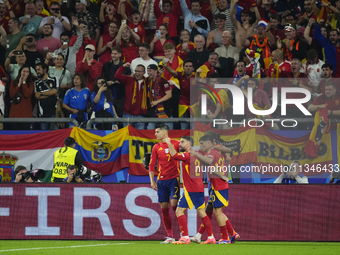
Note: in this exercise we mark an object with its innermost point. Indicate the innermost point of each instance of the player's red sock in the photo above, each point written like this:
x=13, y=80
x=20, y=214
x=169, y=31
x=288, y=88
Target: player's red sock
x=207, y=225
x=224, y=233
x=231, y=231
x=174, y=208
x=183, y=225
x=202, y=227
x=167, y=222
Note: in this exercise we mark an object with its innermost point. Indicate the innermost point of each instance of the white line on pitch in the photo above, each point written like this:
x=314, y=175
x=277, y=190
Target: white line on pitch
x=62, y=247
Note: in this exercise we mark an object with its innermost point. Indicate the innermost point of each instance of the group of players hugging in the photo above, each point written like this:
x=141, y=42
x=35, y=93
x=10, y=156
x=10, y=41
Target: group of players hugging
x=173, y=157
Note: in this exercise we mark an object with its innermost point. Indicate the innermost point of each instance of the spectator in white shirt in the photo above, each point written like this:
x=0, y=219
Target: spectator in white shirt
x=144, y=59
x=59, y=23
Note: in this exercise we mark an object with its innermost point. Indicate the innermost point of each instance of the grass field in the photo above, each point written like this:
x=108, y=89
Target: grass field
x=154, y=247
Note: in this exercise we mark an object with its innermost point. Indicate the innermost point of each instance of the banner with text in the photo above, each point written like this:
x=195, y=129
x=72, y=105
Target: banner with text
x=132, y=212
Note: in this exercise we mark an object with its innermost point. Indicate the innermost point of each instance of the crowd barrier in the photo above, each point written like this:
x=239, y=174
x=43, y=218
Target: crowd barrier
x=132, y=212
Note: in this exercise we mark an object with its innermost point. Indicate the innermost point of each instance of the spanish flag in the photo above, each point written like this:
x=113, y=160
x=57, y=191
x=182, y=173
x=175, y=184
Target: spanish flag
x=320, y=127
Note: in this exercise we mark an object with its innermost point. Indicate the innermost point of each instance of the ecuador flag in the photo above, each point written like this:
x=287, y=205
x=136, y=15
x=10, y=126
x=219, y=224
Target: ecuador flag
x=107, y=154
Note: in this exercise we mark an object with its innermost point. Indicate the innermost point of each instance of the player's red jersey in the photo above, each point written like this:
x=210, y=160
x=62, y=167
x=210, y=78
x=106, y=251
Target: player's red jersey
x=218, y=161
x=192, y=179
x=167, y=165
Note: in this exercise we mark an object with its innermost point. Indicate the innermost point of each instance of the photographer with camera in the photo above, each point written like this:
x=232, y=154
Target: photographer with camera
x=22, y=175
x=60, y=23
x=20, y=58
x=292, y=175
x=73, y=175
x=83, y=175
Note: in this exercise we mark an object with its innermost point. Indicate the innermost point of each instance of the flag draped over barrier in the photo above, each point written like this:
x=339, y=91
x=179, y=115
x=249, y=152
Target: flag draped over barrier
x=107, y=154
x=141, y=142
x=240, y=140
x=26, y=149
x=273, y=149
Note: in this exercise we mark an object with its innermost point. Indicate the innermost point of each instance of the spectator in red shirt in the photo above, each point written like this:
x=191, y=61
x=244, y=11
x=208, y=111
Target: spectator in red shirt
x=276, y=32
x=169, y=16
x=158, y=43
x=89, y=67
x=185, y=44
x=135, y=105
x=3, y=15
x=18, y=7
x=110, y=9
x=87, y=40
x=128, y=40
x=105, y=43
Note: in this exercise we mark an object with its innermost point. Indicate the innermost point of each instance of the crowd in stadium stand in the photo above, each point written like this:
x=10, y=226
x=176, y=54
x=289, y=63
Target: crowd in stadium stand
x=94, y=58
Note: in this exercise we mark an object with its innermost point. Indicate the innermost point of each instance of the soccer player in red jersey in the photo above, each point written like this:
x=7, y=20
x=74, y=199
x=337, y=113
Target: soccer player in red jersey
x=193, y=194
x=168, y=177
x=219, y=183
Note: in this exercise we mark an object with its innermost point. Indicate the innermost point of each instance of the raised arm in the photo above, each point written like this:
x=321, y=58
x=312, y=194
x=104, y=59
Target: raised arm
x=147, y=12
x=184, y=7
x=102, y=11
x=213, y=6
x=233, y=13
x=169, y=69
x=306, y=33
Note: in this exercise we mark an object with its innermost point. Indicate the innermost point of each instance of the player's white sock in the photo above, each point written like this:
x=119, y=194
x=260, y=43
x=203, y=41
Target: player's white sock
x=210, y=237
x=187, y=237
x=198, y=235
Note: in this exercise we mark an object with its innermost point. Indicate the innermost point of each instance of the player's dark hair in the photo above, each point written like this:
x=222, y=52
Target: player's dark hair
x=327, y=65
x=275, y=16
x=334, y=30
x=213, y=134
x=162, y=126
x=188, y=61
x=71, y=167
x=69, y=141
x=117, y=48
x=145, y=45
x=19, y=168
x=168, y=2
x=297, y=162
x=241, y=61
x=196, y=1
x=141, y=66
x=43, y=66
x=330, y=83
x=312, y=54
x=257, y=82
x=207, y=138
x=189, y=138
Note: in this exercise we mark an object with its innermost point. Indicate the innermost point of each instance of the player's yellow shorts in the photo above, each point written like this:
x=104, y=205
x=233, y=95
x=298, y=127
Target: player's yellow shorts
x=191, y=199
x=219, y=198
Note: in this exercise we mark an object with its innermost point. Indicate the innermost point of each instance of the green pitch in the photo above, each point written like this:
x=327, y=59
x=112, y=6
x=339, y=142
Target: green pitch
x=154, y=247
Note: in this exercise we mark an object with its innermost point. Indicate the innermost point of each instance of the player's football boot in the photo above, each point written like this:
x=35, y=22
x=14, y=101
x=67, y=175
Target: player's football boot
x=234, y=238
x=223, y=241
x=210, y=241
x=195, y=239
x=168, y=240
x=183, y=240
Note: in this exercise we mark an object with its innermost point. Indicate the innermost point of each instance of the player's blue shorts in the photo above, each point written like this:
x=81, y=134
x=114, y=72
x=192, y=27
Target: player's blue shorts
x=168, y=188
x=219, y=198
x=191, y=199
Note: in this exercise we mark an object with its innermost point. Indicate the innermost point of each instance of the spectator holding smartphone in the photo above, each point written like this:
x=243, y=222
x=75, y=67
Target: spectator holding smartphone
x=60, y=23
x=13, y=69
x=27, y=45
x=293, y=175
x=105, y=43
x=161, y=38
